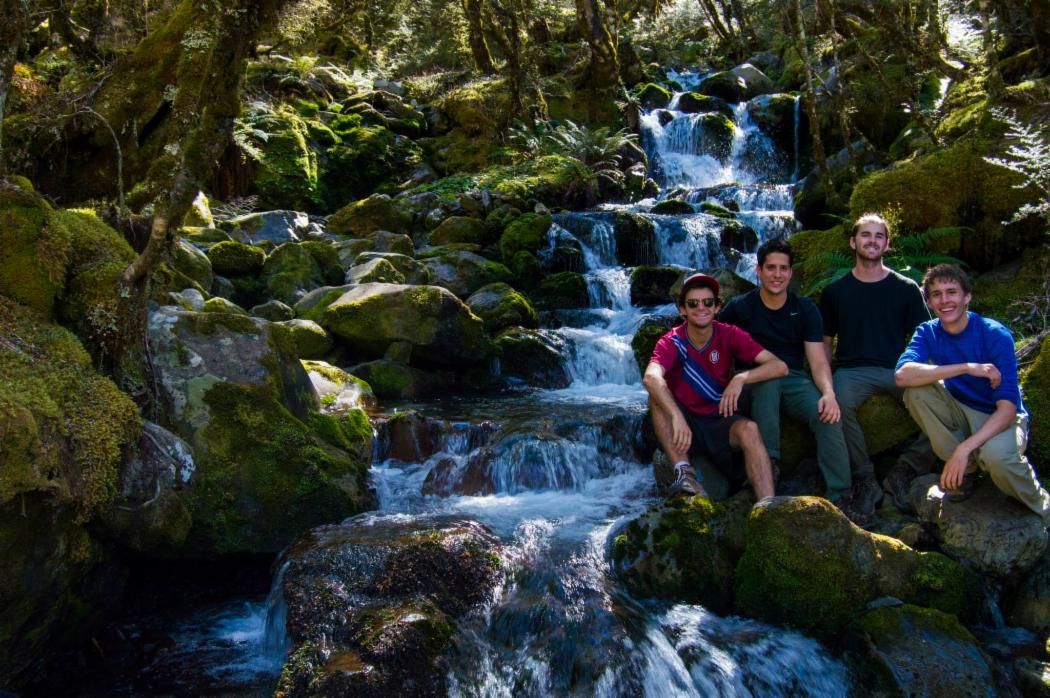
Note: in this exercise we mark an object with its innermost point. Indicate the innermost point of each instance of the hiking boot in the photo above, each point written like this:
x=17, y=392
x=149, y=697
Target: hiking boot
x=897, y=484
x=866, y=493
x=686, y=484
x=848, y=505
x=965, y=490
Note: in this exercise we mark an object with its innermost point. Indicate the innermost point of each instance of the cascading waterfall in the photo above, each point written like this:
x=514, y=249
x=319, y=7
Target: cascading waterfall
x=555, y=475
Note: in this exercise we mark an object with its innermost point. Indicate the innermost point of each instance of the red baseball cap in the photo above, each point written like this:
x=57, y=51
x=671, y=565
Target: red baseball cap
x=698, y=280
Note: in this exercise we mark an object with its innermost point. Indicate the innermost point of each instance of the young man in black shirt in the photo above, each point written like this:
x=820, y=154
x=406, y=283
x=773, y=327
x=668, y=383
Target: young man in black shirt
x=791, y=328
x=873, y=311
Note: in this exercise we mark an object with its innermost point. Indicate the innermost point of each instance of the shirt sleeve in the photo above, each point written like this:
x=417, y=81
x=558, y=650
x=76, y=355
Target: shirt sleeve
x=665, y=353
x=917, y=350
x=828, y=312
x=1001, y=354
x=917, y=312
x=812, y=325
x=744, y=347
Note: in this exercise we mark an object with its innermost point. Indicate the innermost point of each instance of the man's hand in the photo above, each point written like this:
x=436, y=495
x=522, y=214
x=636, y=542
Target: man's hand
x=988, y=371
x=828, y=409
x=681, y=434
x=731, y=396
x=955, y=469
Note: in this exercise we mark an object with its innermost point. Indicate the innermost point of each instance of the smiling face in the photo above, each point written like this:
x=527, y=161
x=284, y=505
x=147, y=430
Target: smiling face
x=870, y=242
x=948, y=302
x=701, y=316
x=774, y=273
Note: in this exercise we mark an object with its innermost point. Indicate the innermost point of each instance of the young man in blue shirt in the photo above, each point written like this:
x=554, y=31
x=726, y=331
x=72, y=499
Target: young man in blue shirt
x=960, y=376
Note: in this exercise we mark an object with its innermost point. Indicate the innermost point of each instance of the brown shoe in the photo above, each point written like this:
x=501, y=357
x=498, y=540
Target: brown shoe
x=686, y=484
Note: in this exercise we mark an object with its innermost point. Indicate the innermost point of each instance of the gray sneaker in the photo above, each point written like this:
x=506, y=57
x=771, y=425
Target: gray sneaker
x=686, y=484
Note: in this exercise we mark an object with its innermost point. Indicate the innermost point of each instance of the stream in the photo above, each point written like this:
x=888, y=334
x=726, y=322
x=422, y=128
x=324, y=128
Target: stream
x=561, y=475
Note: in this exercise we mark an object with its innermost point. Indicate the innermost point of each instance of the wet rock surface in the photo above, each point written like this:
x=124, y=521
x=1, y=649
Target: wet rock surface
x=373, y=603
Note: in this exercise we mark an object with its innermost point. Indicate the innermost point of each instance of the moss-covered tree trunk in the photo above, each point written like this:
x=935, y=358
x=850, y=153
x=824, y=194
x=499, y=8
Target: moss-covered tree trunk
x=212, y=44
x=479, y=47
x=12, y=28
x=604, y=69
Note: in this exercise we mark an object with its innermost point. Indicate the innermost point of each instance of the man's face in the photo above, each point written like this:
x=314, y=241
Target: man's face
x=870, y=242
x=700, y=307
x=947, y=300
x=775, y=273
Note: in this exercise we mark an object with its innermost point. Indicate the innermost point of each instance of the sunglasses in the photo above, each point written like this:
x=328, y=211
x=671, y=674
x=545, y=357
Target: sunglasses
x=695, y=302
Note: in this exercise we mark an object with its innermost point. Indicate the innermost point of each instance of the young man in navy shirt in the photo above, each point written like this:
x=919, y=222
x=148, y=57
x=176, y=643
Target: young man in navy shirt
x=960, y=375
x=693, y=392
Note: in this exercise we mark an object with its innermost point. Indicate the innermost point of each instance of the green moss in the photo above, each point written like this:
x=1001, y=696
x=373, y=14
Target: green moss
x=34, y=252
x=231, y=258
x=673, y=207
x=366, y=159
x=996, y=291
x=885, y=625
x=644, y=341
x=221, y=305
x=264, y=467
x=811, y=247
x=364, y=217
x=1036, y=386
x=653, y=96
x=288, y=174
x=64, y=426
x=526, y=234
x=566, y=289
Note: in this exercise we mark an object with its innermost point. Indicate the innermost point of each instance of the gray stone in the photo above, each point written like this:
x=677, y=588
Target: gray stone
x=1029, y=604
x=274, y=311
x=374, y=270
x=310, y=339
x=755, y=81
x=339, y=391
x=276, y=227
x=463, y=272
x=415, y=272
x=193, y=263
x=992, y=532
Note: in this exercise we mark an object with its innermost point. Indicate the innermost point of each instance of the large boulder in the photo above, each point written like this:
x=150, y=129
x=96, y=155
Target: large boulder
x=807, y=566
x=34, y=255
x=635, y=239
x=989, y=531
x=310, y=339
x=373, y=605
x=685, y=549
x=338, y=390
x=459, y=229
x=364, y=217
x=724, y=85
x=646, y=337
x=369, y=317
x=232, y=258
x=413, y=270
x=914, y=651
x=499, y=306
x=652, y=96
x=272, y=227
x=465, y=272
x=374, y=270
x=268, y=463
x=390, y=378
x=1028, y=605
x=696, y=103
x=775, y=116
x=190, y=261
x=652, y=285
x=532, y=357
x=755, y=81
x=566, y=289
x=295, y=268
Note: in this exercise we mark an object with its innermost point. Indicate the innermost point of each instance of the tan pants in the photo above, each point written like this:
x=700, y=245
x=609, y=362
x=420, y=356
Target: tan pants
x=947, y=422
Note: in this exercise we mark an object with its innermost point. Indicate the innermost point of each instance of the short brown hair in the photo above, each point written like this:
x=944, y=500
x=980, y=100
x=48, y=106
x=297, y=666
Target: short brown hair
x=946, y=272
x=870, y=218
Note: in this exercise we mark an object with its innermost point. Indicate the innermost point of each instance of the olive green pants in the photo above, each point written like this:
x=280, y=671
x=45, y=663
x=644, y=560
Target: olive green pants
x=948, y=423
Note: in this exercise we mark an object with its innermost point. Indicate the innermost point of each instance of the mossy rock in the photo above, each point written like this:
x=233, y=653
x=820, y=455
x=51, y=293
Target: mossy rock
x=364, y=159
x=673, y=207
x=914, y=651
x=369, y=317
x=64, y=426
x=531, y=356
x=716, y=210
x=295, y=268
x=808, y=567
x=1035, y=384
x=652, y=285
x=374, y=270
x=459, y=229
x=996, y=292
x=310, y=339
x=233, y=259
x=566, y=289
x=34, y=252
x=499, y=306
x=364, y=217
x=644, y=341
x=724, y=85
x=635, y=239
x=264, y=475
x=715, y=135
x=685, y=549
x=555, y=180
x=462, y=273
x=338, y=389
x=526, y=234
x=193, y=263
x=652, y=96
x=696, y=103
x=399, y=381
x=274, y=311
x=928, y=193
x=812, y=248
x=775, y=116
x=412, y=269
x=221, y=305
x=287, y=175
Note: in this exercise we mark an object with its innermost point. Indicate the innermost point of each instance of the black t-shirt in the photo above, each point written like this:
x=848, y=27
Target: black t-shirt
x=782, y=331
x=873, y=320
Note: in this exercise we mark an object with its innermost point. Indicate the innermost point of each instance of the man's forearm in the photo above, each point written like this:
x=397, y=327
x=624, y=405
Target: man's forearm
x=1004, y=416
x=764, y=372
x=657, y=388
x=914, y=375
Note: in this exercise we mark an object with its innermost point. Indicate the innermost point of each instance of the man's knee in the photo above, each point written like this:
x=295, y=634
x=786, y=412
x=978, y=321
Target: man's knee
x=1001, y=453
x=746, y=434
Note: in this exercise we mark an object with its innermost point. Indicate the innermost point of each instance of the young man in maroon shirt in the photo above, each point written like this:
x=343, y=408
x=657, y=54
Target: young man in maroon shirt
x=693, y=393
